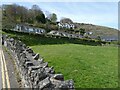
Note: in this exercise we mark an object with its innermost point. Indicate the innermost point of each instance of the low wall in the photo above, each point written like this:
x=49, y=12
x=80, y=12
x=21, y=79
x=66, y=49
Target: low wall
x=34, y=72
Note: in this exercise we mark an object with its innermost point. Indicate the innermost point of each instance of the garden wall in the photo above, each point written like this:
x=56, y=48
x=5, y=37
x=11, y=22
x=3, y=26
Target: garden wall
x=34, y=72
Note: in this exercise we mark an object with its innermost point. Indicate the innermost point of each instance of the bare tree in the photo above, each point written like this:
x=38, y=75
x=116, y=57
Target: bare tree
x=66, y=20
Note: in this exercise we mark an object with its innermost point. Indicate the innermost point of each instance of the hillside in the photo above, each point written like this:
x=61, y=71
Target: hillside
x=97, y=30
x=37, y=18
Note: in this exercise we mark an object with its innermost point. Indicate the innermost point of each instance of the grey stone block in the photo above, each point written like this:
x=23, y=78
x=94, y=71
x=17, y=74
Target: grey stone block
x=29, y=50
x=58, y=77
x=68, y=84
x=44, y=83
x=36, y=57
x=49, y=70
x=41, y=60
x=28, y=64
x=11, y=39
x=23, y=55
x=44, y=65
x=34, y=67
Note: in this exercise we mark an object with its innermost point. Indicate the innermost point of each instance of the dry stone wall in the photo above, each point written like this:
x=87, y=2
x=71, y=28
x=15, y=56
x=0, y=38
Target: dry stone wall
x=34, y=72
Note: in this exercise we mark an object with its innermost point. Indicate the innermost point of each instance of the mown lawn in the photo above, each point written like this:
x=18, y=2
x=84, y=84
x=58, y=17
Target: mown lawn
x=88, y=66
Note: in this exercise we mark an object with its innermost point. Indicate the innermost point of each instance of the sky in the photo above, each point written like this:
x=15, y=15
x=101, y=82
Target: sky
x=95, y=12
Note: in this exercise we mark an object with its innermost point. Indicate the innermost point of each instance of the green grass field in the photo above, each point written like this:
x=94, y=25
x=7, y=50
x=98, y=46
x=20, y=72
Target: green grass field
x=89, y=66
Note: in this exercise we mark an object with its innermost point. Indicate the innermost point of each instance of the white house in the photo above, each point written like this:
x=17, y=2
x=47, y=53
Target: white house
x=90, y=33
x=66, y=25
x=56, y=33
x=29, y=29
x=64, y=34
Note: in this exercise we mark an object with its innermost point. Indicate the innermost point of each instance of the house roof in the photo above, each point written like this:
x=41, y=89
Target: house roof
x=66, y=23
x=26, y=25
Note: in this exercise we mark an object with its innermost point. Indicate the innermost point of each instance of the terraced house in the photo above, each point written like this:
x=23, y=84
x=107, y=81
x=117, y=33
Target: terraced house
x=26, y=28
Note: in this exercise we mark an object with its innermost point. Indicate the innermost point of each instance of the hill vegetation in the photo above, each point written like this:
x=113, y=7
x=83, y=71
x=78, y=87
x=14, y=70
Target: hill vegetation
x=97, y=30
x=14, y=14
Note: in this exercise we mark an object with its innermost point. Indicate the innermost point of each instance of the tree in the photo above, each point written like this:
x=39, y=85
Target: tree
x=66, y=20
x=82, y=31
x=40, y=18
x=19, y=14
x=53, y=17
x=15, y=13
x=10, y=12
x=98, y=38
x=48, y=20
x=36, y=10
x=38, y=15
x=47, y=27
x=30, y=16
x=22, y=13
x=10, y=15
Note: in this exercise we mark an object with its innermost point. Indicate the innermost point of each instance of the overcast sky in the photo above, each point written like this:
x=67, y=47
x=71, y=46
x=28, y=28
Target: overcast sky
x=94, y=12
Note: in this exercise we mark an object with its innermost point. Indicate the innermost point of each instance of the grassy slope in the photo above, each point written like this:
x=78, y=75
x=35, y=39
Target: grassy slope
x=88, y=66
x=98, y=30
